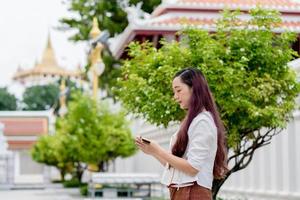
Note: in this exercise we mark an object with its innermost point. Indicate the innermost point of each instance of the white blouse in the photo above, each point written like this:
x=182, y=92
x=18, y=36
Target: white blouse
x=200, y=153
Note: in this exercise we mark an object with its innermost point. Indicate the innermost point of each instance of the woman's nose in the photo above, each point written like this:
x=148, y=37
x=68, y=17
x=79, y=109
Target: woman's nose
x=175, y=97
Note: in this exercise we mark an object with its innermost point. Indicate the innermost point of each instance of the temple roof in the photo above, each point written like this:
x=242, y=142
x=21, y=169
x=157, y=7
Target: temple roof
x=174, y=15
x=47, y=66
x=179, y=21
x=280, y=5
x=266, y=3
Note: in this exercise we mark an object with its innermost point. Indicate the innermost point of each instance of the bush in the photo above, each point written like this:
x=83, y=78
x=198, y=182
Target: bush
x=73, y=183
x=84, y=189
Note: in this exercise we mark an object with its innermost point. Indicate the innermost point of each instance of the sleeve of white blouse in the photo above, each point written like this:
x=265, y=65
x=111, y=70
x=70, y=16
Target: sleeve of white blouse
x=200, y=143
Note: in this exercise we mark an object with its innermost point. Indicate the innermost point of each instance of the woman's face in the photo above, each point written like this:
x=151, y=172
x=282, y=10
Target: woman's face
x=182, y=93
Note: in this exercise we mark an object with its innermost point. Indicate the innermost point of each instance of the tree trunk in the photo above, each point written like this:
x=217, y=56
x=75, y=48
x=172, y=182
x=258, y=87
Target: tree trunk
x=217, y=183
x=103, y=166
x=62, y=174
x=79, y=172
x=100, y=166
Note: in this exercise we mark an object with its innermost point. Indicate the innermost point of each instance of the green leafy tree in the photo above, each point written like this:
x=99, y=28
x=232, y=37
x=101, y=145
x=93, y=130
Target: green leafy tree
x=99, y=135
x=7, y=101
x=110, y=14
x=69, y=149
x=245, y=63
x=147, y=5
x=43, y=97
x=40, y=97
x=47, y=151
x=111, y=17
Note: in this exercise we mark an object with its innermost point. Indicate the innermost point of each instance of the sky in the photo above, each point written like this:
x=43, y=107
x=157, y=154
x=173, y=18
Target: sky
x=24, y=29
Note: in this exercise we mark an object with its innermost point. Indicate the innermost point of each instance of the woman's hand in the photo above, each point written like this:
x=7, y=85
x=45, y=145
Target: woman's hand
x=152, y=148
x=164, y=156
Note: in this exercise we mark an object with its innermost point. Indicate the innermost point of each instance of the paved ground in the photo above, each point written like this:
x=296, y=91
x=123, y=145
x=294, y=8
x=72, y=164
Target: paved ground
x=48, y=194
x=41, y=194
x=51, y=192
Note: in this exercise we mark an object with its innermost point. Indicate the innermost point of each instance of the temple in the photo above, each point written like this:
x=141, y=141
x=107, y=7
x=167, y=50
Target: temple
x=172, y=16
x=45, y=72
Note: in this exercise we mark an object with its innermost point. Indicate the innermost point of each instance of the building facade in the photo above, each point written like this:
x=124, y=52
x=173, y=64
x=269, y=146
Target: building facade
x=21, y=129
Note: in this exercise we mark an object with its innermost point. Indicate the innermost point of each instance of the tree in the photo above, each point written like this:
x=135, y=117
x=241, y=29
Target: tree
x=7, y=101
x=245, y=63
x=147, y=5
x=40, y=97
x=69, y=149
x=69, y=152
x=111, y=17
x=47, y=151
x=99, y=135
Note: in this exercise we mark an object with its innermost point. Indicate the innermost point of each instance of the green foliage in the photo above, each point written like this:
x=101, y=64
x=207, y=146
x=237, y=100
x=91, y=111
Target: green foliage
x=40, y=97
x=84, y=190
x=73, y=183
x=47, y=150
x=44, y=151
x=146, y=84
x=61, y=151
x=246, y=69
x=147, y=5
x=89, y=133
x=110, y=15
x=95, y=135
x=7, y=101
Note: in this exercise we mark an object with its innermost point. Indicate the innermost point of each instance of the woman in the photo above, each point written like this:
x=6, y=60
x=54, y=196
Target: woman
x=198, y=153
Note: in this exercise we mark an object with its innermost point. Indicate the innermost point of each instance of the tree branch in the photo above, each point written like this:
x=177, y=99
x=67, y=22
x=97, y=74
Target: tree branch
x=260, y=141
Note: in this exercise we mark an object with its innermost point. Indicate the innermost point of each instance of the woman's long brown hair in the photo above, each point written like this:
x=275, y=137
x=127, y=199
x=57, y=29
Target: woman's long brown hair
x=201, y=98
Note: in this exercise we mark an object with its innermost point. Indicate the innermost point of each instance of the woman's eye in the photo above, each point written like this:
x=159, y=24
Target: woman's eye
x=178, y=90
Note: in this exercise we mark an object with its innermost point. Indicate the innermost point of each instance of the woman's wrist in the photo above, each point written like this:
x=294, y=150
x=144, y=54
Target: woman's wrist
x=160, y=152
x=157, y=151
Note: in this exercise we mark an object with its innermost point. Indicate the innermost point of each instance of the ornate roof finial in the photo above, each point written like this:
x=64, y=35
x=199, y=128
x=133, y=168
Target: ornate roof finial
x=62, y=99
x=49, y=46
x=95, y=29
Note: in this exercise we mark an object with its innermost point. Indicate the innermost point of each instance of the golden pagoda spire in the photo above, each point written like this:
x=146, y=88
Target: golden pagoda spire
x=48, y=58
x=49, y=46
x=47, y=69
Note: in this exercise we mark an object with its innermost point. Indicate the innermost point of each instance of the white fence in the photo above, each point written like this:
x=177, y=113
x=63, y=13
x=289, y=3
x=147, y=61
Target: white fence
x=6, y=162
x=3, y=169
x=274, y=172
